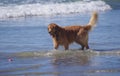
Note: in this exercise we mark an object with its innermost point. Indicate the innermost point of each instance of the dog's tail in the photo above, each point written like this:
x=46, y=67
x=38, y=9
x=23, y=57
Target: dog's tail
x=92, y=21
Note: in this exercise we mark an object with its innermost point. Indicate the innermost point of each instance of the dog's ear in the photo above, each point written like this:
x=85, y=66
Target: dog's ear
x=56, y=28
x=57, y=31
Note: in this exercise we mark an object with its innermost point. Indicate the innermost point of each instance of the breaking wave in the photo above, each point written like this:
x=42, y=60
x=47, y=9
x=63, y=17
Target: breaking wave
x=58, y=53
x=39, y=9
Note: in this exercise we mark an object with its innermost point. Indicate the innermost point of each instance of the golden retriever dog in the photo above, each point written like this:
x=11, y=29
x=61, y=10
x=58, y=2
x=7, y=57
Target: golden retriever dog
x=69, y=34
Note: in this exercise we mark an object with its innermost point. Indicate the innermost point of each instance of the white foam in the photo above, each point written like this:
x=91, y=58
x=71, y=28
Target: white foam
x=38, y=9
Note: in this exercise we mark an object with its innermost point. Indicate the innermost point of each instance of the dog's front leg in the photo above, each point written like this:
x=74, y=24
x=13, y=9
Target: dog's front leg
x=55, y=43
x=56, y=46
x=66, y=46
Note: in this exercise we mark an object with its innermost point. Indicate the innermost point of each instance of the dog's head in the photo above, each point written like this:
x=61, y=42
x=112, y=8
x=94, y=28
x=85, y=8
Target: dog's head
x=52, y=29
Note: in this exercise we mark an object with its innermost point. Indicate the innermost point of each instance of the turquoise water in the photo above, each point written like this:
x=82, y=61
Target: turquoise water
x=26, y=48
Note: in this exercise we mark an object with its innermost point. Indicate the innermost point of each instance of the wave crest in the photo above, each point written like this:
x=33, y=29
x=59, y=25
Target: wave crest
x=52, y=9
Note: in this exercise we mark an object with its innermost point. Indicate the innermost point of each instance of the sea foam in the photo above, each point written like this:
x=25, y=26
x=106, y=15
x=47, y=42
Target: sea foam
x=38, y=9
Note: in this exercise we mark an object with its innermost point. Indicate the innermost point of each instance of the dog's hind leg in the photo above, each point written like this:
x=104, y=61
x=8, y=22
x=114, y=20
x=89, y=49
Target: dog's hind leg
x=82, y=47
x=87, y=47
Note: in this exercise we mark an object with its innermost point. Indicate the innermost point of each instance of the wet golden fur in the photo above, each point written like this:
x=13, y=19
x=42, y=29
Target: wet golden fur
x=69, y=34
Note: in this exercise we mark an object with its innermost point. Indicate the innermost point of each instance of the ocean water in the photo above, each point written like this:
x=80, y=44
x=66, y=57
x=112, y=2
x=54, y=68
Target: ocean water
x=26, y=48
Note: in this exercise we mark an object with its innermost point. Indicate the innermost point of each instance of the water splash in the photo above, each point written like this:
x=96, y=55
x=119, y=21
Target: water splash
x=62, y=53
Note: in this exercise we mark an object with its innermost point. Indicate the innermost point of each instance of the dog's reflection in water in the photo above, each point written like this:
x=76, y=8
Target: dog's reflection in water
x=68, y=58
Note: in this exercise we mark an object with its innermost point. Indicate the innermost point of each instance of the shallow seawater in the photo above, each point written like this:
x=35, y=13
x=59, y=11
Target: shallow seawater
x=61, y=63
x=26, y=48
